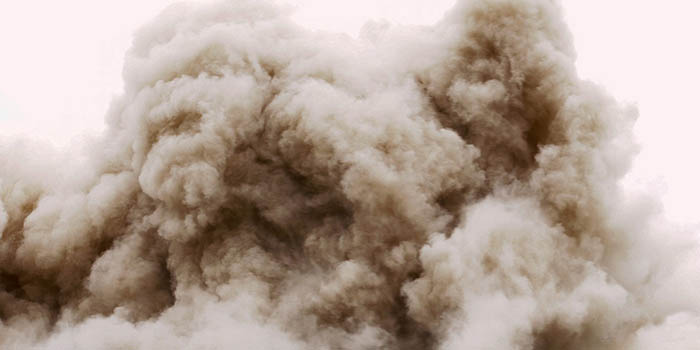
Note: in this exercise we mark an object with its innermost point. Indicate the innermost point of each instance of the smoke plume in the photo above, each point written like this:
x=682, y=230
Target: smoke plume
x=262, y=186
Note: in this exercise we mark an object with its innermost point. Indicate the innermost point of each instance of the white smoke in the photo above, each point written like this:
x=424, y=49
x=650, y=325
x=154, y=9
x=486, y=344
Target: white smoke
x=260, y=186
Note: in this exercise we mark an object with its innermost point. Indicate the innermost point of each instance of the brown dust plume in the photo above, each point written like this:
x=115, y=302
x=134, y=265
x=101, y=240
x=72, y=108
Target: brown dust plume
x=263, y=186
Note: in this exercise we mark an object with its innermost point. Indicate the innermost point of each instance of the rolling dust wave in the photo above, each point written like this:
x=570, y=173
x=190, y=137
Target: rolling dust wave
x=262, y=186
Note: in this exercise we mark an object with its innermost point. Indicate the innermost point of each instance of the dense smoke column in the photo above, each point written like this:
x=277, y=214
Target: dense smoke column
x=262, y=186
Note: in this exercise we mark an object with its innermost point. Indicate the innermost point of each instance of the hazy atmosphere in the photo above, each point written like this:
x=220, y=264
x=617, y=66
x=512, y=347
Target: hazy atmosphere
x=247, y=174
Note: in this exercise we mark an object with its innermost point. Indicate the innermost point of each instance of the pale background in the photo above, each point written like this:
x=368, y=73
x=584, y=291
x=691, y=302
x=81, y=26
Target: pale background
x=60, y=65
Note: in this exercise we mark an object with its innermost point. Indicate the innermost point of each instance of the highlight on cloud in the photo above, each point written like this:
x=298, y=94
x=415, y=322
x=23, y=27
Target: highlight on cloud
x=262, y=186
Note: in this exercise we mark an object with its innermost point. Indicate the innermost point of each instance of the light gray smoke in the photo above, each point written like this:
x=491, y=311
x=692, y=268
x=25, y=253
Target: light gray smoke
x=261, y=186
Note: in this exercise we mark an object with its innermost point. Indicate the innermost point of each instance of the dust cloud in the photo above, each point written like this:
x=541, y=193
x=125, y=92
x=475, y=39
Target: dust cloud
x=263, y=186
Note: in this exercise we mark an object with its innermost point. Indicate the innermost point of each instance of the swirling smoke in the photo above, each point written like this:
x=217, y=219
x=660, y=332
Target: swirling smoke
x=262, y=186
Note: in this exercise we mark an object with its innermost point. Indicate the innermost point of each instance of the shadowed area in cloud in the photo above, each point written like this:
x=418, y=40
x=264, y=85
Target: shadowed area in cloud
x=263, y=186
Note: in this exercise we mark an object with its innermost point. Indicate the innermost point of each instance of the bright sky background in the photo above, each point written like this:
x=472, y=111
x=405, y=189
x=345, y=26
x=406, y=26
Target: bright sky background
x=61, y=61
